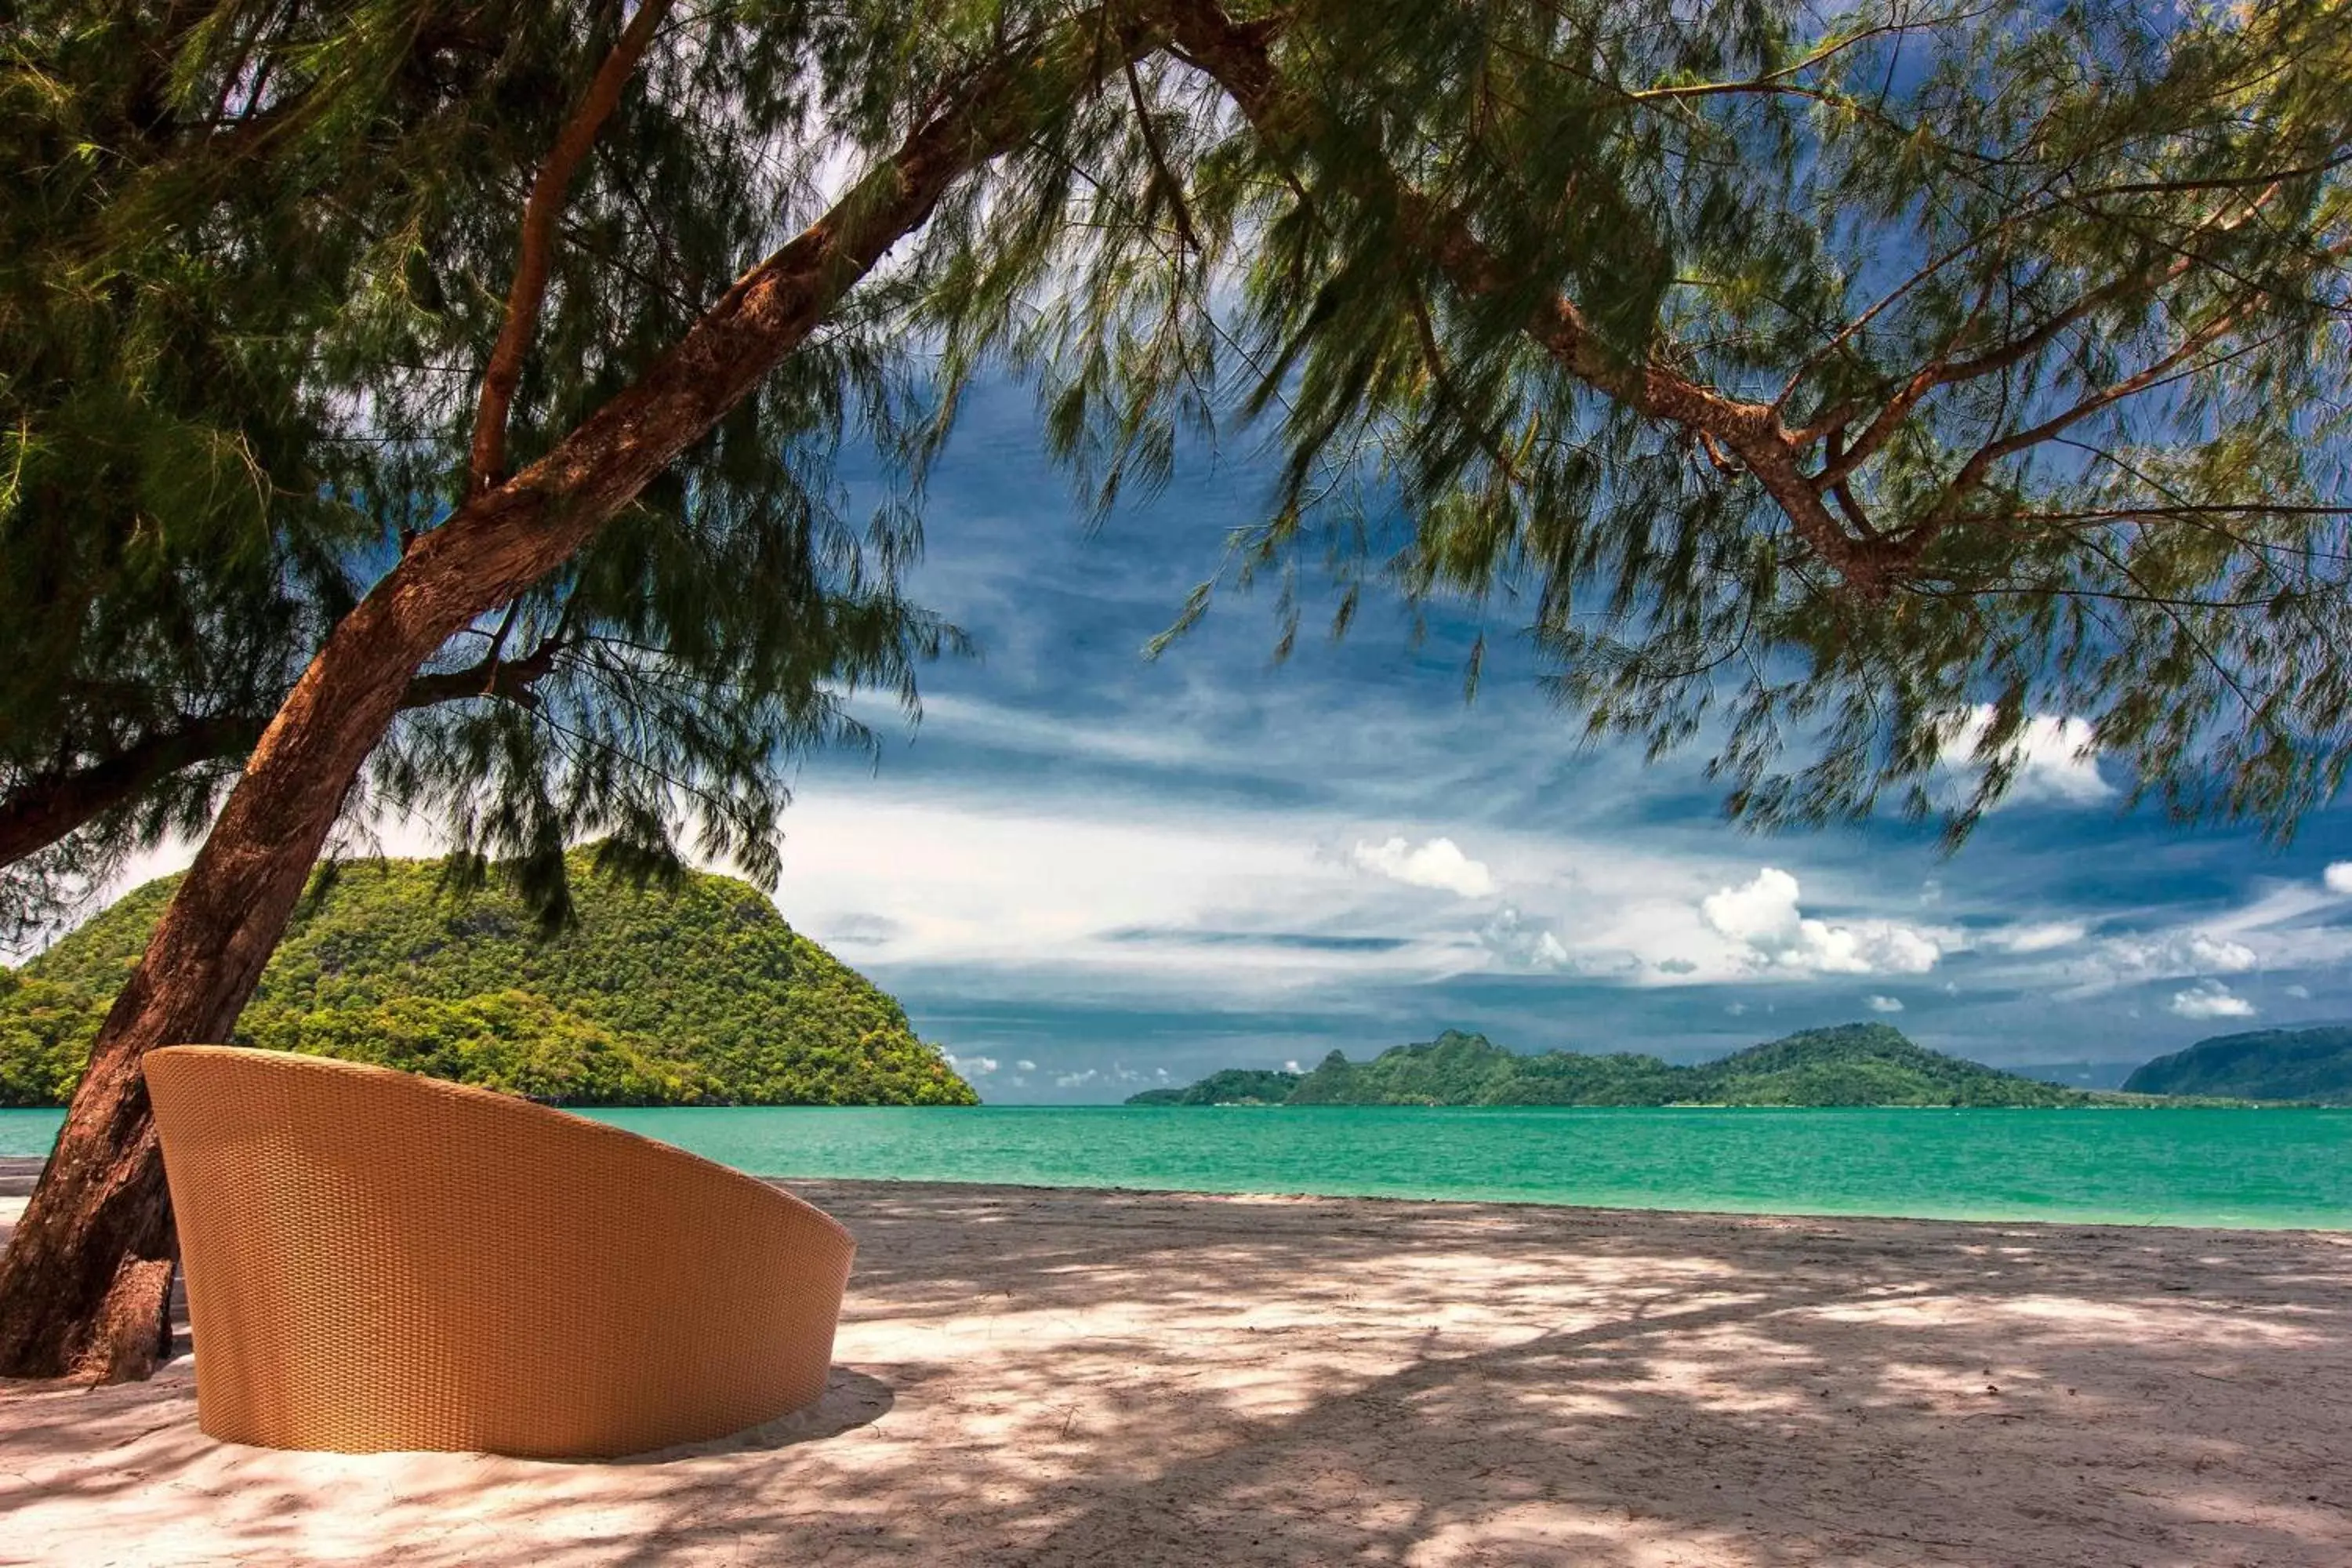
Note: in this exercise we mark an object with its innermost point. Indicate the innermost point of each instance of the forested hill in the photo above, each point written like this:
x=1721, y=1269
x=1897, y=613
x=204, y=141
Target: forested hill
x=1234, y=1086
x=1858, y=1064
x=2267, y=1064
x=700, y=997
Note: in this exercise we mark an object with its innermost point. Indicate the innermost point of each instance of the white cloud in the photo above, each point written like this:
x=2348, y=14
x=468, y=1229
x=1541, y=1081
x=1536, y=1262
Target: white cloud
x=2208, y=999
x=1734, y=1008
x=2055, y=761
x=1762, y=917
x=1510, y=937
x=2040, y=937
x=1439, y=864
x=2178, y=952
x=1076, y=1080
x=2300, y=993
x=973, y=1067
x=1885, y=1003
x=1292, y=1066
x=1026, y=1066
x=2337, y=879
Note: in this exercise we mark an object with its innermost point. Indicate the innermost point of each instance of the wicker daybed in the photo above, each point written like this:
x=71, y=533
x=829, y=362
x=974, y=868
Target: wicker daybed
x=376, y=1261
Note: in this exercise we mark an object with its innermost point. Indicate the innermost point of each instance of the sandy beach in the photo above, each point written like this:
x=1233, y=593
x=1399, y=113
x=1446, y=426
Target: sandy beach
x=1028, y=1376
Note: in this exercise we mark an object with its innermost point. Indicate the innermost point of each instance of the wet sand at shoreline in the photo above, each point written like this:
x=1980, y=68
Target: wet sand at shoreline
x=1034, y=1376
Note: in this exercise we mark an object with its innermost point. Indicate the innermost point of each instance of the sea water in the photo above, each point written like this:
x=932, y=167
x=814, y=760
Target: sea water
x=2249, y=1168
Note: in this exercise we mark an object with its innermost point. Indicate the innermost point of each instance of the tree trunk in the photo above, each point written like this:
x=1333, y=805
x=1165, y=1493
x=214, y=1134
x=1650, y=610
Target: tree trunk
x=72, y=1270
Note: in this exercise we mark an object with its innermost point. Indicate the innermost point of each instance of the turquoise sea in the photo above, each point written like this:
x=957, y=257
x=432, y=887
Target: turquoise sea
x=2248, y=1168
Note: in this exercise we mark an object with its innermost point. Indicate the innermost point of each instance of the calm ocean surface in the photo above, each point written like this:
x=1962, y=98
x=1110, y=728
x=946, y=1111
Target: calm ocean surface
x=2252, y=1168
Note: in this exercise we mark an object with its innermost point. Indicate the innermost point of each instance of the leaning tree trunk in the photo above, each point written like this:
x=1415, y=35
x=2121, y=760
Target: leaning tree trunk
x=84, y=1280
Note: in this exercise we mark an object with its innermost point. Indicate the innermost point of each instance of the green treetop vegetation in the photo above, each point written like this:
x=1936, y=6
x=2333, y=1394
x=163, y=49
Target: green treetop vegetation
x=1829, y=388
x=1233, y=1085
x=1857, y=1064
x=249, y=256
x=2312, y=1065
x=699, y=995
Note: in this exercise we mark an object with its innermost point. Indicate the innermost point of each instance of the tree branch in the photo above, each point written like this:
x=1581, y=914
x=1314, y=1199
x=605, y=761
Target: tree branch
x=48, y=806
x=536, y=257
x=1240, y=59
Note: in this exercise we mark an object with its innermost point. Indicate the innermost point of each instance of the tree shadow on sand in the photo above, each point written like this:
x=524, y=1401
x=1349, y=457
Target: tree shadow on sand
x=1043, y=1378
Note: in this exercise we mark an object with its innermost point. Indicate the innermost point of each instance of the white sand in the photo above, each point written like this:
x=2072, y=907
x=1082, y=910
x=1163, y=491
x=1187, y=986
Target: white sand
x=1041, y=1377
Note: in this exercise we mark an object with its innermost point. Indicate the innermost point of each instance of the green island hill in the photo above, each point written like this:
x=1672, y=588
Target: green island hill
x=2312, y=1065
x=1852, y=1065
x=699, y=996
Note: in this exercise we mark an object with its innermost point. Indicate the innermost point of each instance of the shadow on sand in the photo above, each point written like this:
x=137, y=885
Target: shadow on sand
x=1079, y=1378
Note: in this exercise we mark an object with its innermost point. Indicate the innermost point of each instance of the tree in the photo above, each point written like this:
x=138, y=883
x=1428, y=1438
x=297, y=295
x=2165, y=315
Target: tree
x=219, y=253
x=1870, y=393
x=1864, y=388
x=85, y=1274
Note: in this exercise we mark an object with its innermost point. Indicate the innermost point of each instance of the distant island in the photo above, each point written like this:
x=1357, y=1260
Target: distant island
x=2312, y=1065
x=700, y=997
x=1855, y=1065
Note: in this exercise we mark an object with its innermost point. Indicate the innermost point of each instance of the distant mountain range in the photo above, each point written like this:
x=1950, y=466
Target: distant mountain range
x=1855, y=1065
x=2312, y=1065
x=695, y=996
x=2077, y=1075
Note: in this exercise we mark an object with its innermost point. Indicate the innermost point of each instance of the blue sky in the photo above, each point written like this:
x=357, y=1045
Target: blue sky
x=1087, y=872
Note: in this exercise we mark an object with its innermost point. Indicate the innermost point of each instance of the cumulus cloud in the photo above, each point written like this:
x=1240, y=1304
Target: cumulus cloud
x=1292, y=1066
x=1439, y=864
x=2040, y=937
x=1734, y=1008
x=2337, y=879
x=973, y=1067
x=1076, y=1080
x=1510, y=937
x=1026, y=1066
x=2208, y=999
x=1885, y=1003
x=2055, y=762
x=1763, y=918
x=2300, y=993
x=2179, y=953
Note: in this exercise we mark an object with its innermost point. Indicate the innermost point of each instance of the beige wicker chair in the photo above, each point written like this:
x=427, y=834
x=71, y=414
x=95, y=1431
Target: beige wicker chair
x=376, y=1261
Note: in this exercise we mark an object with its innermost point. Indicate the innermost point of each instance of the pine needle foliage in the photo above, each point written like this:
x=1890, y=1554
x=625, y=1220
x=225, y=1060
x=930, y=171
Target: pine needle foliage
x=256, y=259
x=1839, y=392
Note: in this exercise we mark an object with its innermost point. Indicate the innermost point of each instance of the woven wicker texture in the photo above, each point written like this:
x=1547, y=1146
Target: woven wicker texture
x=376, y=1261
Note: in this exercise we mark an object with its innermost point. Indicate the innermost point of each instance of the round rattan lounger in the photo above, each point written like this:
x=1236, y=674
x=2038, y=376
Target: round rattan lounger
x=376, y=1261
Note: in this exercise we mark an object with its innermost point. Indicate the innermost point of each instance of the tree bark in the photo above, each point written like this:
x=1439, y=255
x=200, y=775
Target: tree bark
x=100, y=1200
x=46, y=808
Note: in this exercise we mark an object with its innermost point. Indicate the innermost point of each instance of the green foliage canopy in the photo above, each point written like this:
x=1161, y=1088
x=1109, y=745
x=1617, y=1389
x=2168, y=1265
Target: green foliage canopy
x=1857, y=1064
x=700, y=995
x=253, y=259
x=2314, y=1065
x=1233, y=1085
x=1840, y=391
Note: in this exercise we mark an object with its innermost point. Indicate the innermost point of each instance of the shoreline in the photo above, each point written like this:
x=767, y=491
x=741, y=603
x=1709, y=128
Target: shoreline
x=18, y=1174
x=1047, y=1375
